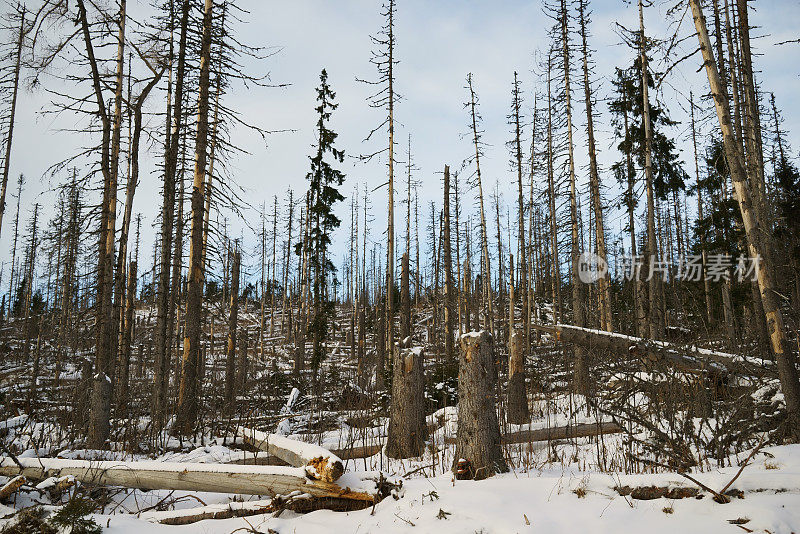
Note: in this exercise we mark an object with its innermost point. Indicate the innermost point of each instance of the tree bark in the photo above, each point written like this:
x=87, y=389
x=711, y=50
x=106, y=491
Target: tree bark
x=407, y=429
x=186, y=415
x=517, y=402
x=478, y=453
x=784, y=357
x=233, y=325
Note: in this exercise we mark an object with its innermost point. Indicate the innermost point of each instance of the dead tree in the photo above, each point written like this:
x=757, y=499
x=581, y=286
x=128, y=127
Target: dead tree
x=187, y=394
x=407, y=428
x=594, y=174
x=17, y=59
x=449, y=289
x=787, y=372
x=486, y=277
x=123, y=378
x=656, y=310
x=517, y=401
x=233, y=324
x=478, y=453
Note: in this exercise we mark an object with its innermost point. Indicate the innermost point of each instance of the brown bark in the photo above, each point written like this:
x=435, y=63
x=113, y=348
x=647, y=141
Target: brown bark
x=478, y=436
x=126, y=339
x=188, y=392
x=407, y=429
x=449, y=289
x=517, y=403
x=787, y=371
x=233, y=325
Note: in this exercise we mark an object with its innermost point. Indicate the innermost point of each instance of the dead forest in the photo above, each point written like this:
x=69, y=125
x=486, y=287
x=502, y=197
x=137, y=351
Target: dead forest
x=642, y=317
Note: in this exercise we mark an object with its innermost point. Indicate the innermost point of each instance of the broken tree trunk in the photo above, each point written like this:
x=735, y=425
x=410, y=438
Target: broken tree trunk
x=478, y=453
x=517, y=401
x=149, y=475
x=686, y=358
x=407, y=429
x=319, y=464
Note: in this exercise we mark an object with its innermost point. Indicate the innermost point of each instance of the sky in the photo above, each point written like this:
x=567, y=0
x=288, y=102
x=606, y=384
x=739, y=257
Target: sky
x=438, y=43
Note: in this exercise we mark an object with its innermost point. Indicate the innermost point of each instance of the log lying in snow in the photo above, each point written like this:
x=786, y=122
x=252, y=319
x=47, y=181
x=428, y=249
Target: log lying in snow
x=581, y=430
x=686, y=358
x=150, y=475
x=561, y=432
x=319, y=464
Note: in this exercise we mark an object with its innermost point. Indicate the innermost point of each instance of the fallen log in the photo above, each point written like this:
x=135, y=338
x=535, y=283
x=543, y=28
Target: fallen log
x=689, y=358
x=350, y=453
x=217, y=478
x=318, y=463
x=581, y=430
x=561, y=432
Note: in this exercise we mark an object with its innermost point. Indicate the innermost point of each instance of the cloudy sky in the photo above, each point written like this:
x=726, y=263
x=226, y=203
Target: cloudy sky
x=438, y=43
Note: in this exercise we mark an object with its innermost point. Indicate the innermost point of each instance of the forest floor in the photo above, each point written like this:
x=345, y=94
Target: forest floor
x=551, y=488
x=601, y=484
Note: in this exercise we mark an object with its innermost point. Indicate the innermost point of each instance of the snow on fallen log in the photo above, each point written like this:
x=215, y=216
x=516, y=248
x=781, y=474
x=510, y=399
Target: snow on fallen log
x=318, y=463
x=581, y=430
x=14, y=422
x=216, y=478
x=687, y=358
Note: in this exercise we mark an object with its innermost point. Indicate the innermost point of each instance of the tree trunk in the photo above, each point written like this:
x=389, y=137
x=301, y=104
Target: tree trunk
x=186, y=415
x=517, y=405
x=161, y=334
x=766, y=278
x=407, y=429
x=478, y=453
x=655, y=289
x=449, y=289
x=405, y=299
x=123, y=381
x=233, y=325
x=12, y=115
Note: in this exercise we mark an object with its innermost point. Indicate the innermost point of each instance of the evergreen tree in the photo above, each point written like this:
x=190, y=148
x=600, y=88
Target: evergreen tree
x=668, y=172
x=323, y=181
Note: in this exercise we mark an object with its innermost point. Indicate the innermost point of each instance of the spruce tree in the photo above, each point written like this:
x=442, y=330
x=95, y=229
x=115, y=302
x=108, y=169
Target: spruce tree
x=323, y=181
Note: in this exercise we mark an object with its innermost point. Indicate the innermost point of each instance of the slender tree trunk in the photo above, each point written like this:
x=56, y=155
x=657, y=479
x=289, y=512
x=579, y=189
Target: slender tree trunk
x=161, y=335
x=233, y=325
x=449, y=290
x=594, y=181
x=517, y=402
x=188, y=393
x=100, y=411
x=123, y=380
x=12, y=114
x=787, y=370
x=655, y=289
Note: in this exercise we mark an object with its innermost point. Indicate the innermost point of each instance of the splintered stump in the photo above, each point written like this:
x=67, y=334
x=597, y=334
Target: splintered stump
x=478, y=453
x=517, y=405
x=407, y=428
x=318, y=463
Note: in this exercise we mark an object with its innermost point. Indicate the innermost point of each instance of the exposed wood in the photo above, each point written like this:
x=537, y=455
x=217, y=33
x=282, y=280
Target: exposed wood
x=11, y=487
x=319, y=463
x=245, y=480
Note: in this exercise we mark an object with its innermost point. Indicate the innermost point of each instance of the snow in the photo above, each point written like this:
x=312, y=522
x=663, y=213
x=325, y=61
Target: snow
x=542, y=500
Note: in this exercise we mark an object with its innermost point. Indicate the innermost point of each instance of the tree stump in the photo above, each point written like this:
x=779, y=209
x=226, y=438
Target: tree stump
x=407, y=428
x=478, y=438
x=517, y=405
